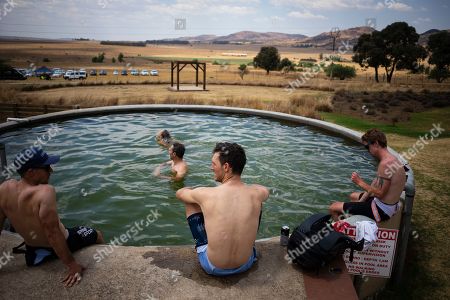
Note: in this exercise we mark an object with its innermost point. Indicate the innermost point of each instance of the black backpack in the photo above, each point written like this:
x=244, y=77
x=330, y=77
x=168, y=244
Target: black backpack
x=314, y=243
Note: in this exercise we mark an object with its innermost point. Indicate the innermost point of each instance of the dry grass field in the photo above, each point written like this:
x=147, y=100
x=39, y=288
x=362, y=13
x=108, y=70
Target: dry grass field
x=405, y=109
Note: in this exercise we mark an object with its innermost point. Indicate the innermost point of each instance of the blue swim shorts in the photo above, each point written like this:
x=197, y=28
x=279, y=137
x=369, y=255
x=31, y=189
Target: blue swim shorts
x=197, y=225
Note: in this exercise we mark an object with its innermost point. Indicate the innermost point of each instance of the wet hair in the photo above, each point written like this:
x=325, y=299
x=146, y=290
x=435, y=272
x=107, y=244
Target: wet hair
x=178, y=149
x=233, y=154
x=374, y=135
x=165, y=134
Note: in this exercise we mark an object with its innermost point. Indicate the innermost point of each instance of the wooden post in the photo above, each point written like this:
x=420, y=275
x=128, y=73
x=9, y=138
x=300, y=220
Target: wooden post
x=204, y=76
x=178, y=76
x=171, y=73
x=16, y=110
x=196, y=74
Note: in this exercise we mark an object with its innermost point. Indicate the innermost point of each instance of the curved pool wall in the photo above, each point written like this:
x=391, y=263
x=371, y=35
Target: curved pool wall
x=405, y=226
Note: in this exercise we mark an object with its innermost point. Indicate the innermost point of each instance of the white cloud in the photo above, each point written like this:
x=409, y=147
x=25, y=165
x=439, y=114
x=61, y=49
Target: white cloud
x=343, y=4
x=392, y=4
x=305, y=15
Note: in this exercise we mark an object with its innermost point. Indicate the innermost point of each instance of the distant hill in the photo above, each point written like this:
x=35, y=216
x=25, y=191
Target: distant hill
x=278, y=38
x=423, y=39
x=350, y=35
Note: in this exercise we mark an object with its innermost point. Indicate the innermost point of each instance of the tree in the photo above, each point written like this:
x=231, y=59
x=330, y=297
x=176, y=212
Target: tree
x=439, y=46
x=113, y=60
x=120, y=57
x=286, y=65
x=243, y=70
x=369, y=51
x=400, y=48
x=267, y=58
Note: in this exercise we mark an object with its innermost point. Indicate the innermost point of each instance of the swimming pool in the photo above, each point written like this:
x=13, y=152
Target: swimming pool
x=104, y=178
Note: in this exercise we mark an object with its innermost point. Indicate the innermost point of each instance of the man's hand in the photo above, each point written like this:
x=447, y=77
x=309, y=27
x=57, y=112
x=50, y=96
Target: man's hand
x=157, y=171
x=356, y=179
x=74, y=275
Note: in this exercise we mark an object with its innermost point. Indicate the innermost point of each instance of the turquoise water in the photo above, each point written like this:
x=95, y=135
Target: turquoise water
x=104, y=178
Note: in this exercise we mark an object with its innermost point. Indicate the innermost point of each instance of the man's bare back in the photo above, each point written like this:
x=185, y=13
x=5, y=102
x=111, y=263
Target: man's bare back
x=21, y=204
x=231, y=214
x=30, y=205
x=224, y=220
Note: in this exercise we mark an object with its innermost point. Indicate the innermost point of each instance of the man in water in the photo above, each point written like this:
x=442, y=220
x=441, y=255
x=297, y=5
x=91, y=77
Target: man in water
x=179, y=167
x=380, y=200
x=224, y=219
x=164, y=138
x=30, y=206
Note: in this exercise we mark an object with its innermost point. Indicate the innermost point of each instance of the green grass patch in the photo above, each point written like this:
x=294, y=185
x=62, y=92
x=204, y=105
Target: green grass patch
x=420, y=123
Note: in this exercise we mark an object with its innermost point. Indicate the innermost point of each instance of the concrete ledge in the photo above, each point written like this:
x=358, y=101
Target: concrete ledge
x=145, y=272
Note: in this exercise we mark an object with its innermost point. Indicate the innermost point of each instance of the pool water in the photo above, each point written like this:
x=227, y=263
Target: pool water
x=104, y=178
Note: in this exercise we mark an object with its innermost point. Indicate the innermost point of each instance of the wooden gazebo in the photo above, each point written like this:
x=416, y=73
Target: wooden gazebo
x=179, y=65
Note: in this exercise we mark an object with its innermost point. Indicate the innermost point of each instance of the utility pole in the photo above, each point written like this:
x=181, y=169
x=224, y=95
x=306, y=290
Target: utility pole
x=334, y=34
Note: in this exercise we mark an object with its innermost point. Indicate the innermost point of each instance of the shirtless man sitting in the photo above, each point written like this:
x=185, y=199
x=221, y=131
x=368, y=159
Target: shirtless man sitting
x=379, y=200
x=224, y=219
x=178, y=166
x=30, y=206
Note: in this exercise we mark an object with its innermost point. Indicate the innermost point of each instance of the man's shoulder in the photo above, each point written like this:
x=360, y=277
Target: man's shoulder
x=43, y=192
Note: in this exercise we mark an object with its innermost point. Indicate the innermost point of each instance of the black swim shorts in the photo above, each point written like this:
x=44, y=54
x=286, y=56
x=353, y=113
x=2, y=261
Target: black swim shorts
x=79, y=237
x=364, y=209
x=197, y=225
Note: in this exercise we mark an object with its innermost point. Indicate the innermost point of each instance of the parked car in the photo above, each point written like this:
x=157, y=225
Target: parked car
x=154, y=72
x=70, y=75
x=57, y=73
x=134, y=72
x=11, y=74
x=102, y=73
x=93, y=72
x=82, y=74
x=124, y=73
x=145, y=73
x=115, y=72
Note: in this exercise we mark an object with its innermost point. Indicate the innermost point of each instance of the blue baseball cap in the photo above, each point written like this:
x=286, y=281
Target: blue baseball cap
x=33, y=157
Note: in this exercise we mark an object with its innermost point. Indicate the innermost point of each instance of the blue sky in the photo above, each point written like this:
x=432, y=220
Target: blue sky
x=151, y=19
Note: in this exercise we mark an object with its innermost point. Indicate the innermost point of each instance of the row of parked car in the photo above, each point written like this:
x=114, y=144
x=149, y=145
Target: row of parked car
x=79, y=74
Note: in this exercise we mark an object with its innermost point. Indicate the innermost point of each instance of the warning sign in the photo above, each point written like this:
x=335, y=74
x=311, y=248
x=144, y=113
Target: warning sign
x=378, y=259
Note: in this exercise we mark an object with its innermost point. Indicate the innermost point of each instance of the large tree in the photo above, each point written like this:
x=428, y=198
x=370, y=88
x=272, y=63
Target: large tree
x=400, y=48
x=439, y=46
x=267, y=58
x=369, y=51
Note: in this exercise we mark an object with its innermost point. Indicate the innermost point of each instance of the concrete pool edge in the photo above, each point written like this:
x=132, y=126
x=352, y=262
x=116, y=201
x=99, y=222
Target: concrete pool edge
x=329, y=127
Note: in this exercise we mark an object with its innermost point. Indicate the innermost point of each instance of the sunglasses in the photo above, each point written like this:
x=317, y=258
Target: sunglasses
x=367, y=145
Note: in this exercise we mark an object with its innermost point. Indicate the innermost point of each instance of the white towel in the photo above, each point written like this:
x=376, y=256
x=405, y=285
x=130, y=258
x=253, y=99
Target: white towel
x=366, y=230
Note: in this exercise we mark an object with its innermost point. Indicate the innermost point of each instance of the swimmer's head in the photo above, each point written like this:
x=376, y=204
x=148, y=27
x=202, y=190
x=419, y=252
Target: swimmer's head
x=233, y=154
x=373, y=136
x=178, y=149
x=164, y=134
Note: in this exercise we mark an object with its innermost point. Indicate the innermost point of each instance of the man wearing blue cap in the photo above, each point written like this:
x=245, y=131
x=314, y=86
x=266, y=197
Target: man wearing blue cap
x=30, y=205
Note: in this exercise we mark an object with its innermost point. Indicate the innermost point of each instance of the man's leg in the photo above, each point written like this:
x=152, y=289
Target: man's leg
x=192, y=209
x=336, y=209
x=100, y=239
x=356, y=196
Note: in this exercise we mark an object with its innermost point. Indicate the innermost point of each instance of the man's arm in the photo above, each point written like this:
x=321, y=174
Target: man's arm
x=189, y=195
x=380, y=185
x=48, y=217
x=263, y=192
x=180, y=175
x=157, y=171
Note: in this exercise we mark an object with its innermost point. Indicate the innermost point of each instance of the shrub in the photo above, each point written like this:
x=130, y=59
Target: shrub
x=340, y=71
